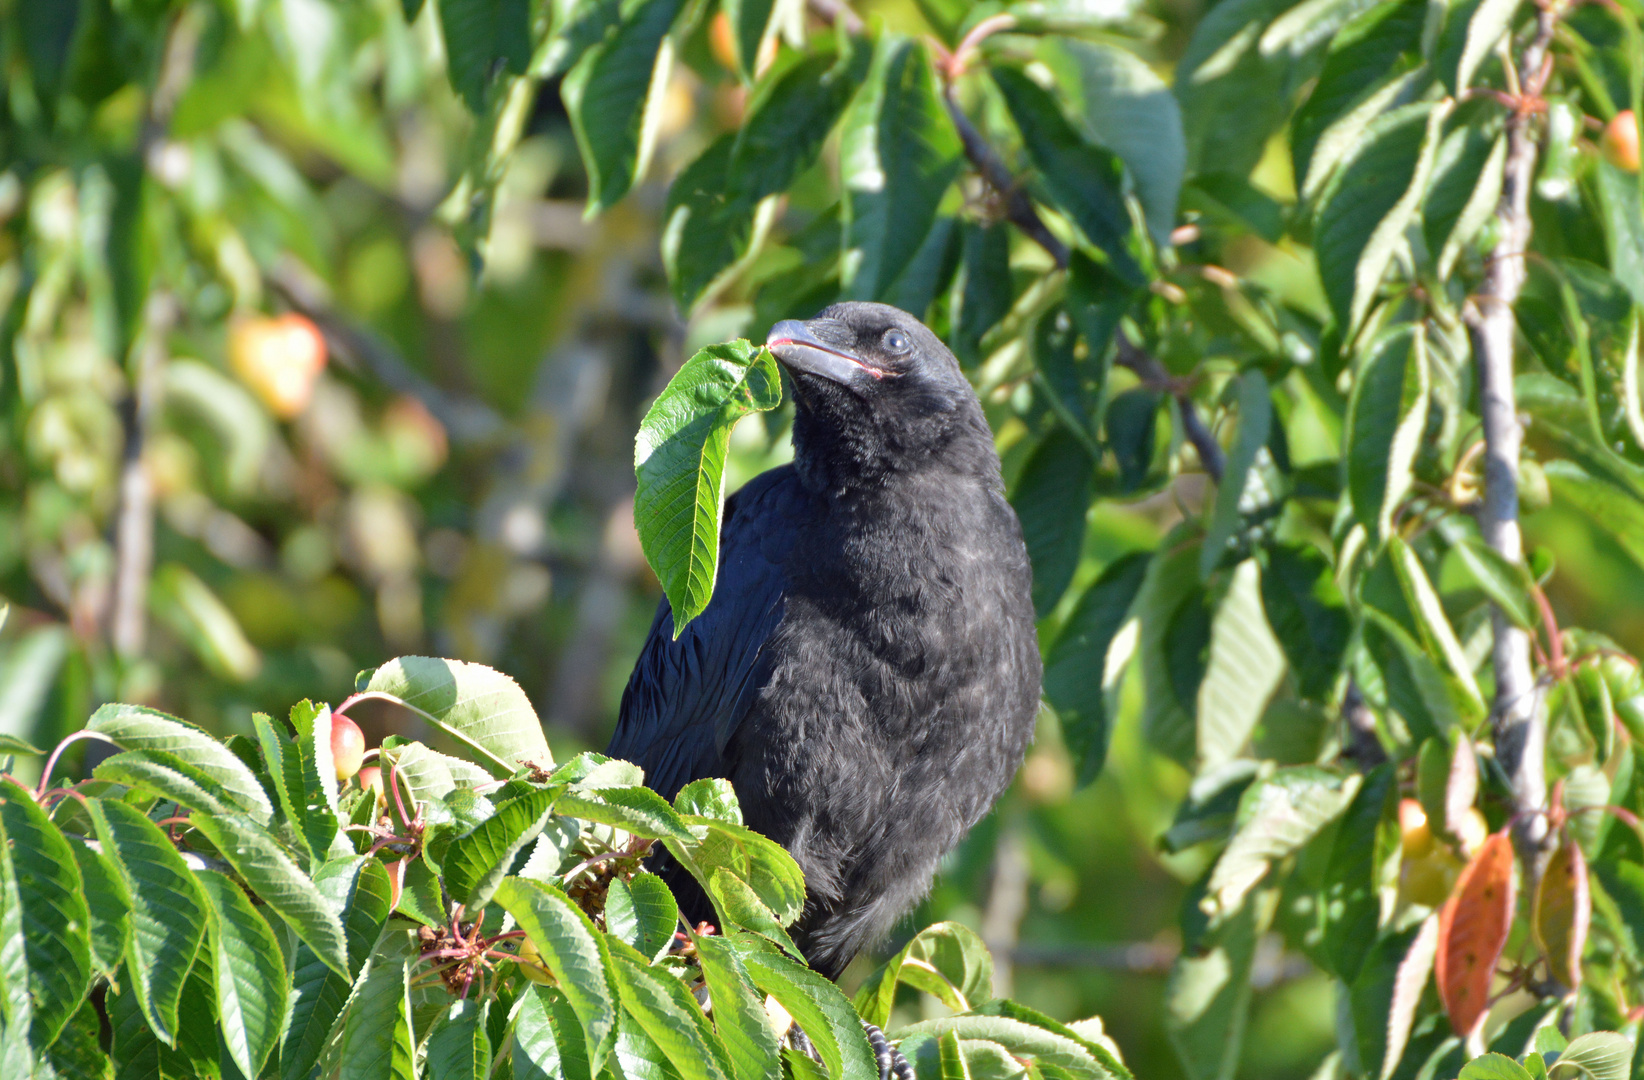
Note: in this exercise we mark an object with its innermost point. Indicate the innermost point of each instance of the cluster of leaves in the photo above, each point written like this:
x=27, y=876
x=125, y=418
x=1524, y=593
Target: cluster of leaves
x=203, y=909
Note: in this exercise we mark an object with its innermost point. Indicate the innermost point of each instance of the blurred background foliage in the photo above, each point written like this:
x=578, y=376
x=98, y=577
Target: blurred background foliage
x=306, y=363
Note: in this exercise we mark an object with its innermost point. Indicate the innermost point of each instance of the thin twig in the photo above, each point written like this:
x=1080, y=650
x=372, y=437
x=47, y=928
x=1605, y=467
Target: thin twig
x=1518, y=717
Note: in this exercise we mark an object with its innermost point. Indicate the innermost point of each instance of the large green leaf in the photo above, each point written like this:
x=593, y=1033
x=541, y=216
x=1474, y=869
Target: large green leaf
x=665, y=1010
x=1465, y=190
x=278, y=882
x=614, y=98
x=1488, y=20
x=377, y=1035
x=1623, y=226
x=164, y=775
x=1307, y=613
x=1385, y=420
x=168, y=911
x=548, y=1042
x=1233, y=489
x=458, y=1048
x=1351, y=903
x=1365, y=209
x=1085, y=181
x=739, y=906
x=55, y=920
x=358, y=887
x=898, y=154
x=1277, y=816
x=1051, y=498
x=637, y=810
x=312, y=819
x=818, y=1006
x=642, y=912
x=1207, y=1000
x=475, y=862
x=761, y=862
x=1244, y=667
x=1428, y=610
x=946, y=960
x=1043, y=1045
x=1121, y=104
x=572, y=949
x=138, y=1053
x=1075, y=680
x=679, y=460
x=133, y=727
x=1233, y=93
x=739, y=1014
x=107, y=902
x=479, y=36
x=484, y=709
x=249, y=974
x=1171, y=581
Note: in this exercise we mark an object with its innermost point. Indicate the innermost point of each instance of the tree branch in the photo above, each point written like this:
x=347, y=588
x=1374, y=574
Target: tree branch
x=1519, y=716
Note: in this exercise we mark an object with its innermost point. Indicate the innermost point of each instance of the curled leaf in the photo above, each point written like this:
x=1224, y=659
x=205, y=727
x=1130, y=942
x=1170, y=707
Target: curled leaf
x=1563, y=911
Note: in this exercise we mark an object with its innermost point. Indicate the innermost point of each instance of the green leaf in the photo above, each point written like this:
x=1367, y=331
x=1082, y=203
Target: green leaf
x=278, y=882
x=1416, y=689
x=984, y=291
x=55, y=921
x=1385, y=419
x=312, y=723
x=710, y=797
x=11, y=744
x=1051, y=498
x=946, y=960
x=671, y=1017
x=572, y=949
x=1277, y=817
x=738, y=1013
x=637, y=810
x=1508, y=585
x=1255, y=422
x=475, y=862
x=1132, y=423
x=614, y=97
x=898, y=154
x=1494, y=1067
x=196, y=614
x=750, y=25
x=642, y=912
x=1366, y=207
x=458, y=1048
x=482, y=708
x=311, y=818
x=1024, y=1040
x=548, y=1042
x=818, y=1006
x=377, y=1035
x=1465, y=190
x=679, y=460
x=358, y=887
x=1121, y=104
x=1244, y=667
x=1234, y=94
x=1075, y=680
x=1490, y=20
x=1618, y=195
x=1424, y=604
x=1208, y=997
x=249, y=974
x=138, y=1053
x=712, y=224
x=1351, y=904
x=1597, y=1055
x=1307, y=613
x=480, y=36
x=789, y=117
x=168, y=911
x=1171, y=581
x=738, y=905
x=761, y=862
x=133, y=727
x=108, y=904
x=433, y=775
x=1083, y=180
x=77, y=1053
x=166, y=776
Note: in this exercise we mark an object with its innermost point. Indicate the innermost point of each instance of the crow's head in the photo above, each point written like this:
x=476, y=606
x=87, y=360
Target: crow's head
x=875, y=391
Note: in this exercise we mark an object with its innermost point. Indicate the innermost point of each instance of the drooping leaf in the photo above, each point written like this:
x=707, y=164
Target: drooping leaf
x=548, y=1042
x=666, y=1012
x=898, y=154
x=946, y=960
x=278, y=882
x=818, y=1006
x=166, y=776
x=1466, y=186
x=458, y=1048
x=1623, y=226
x=1255, y=422
x=570, y=948
x=637, y=810
x=1489, y=20
x=108, y=904
x=1424, y=604
x=1351, y=900
x=133, y=727
x=1051, y=498
x=1473, y=926
x=679, y=459
x=1563, y=911
x=1385, y=419
x=377, y=1040
x=1234, y=94
x=482, y=708
x=168, y=911
x=984, y=288
x=481, y=36
x=475, y=862
x=739, y=906
x=1244, y=666
x=1046, y=1048
x=1307, y=613
x=1413, y=973
x=1277, y=816
x=614, y=98
x=249, y=974
x=763, y=864
x=55, y=920
x=739, y=1015
x=1075, y=679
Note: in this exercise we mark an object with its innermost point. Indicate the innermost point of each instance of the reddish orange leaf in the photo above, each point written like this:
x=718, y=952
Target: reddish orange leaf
x=1473, y=927
x=1564, y=908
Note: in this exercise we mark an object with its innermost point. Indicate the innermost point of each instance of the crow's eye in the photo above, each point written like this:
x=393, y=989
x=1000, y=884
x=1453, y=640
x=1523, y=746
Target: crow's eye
x=895, y=341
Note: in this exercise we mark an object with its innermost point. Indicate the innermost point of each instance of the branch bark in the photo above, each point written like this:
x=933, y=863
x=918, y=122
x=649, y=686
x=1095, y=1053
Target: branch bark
x=1518, y=718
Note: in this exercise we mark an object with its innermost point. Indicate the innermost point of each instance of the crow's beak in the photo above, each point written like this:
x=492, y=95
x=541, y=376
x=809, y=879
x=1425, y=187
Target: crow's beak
x=798, y=348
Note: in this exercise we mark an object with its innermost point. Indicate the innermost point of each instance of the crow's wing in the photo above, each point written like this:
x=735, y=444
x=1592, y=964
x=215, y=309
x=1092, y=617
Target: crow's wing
x=686, y=697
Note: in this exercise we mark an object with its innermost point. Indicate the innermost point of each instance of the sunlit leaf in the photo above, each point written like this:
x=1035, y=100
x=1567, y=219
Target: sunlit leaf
x=739, y=1014
x=1051, y=498
x=570, y=948
x=818, y=1006
x=1244, y=666
x=249, y=974
x=1563, y=911
x=55, y=921
x=475, y=862
x=482, y=708
x=1276, y=817
x=946, y=960
x=1473, y=927
x=133, y=727
x=1385, y=420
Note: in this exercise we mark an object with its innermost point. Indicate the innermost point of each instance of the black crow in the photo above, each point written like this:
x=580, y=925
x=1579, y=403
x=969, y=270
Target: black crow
x=866, y=674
